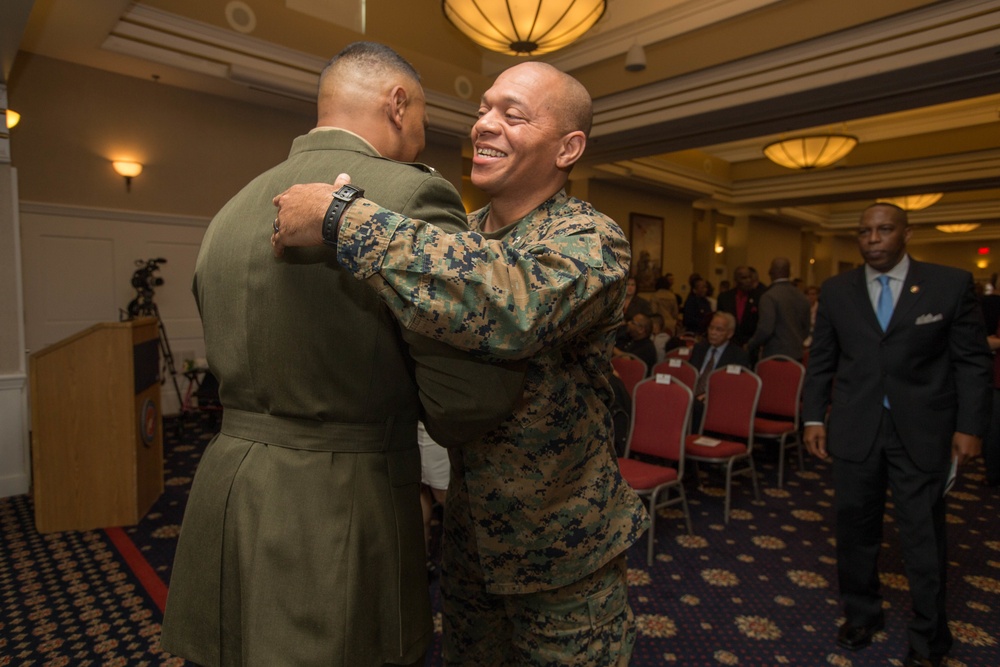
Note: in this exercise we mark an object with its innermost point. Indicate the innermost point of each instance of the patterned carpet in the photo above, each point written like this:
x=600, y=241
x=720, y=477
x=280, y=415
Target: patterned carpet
x=758, y=592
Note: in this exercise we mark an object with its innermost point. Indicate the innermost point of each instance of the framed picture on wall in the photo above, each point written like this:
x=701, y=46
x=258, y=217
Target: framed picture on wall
x=646, y=238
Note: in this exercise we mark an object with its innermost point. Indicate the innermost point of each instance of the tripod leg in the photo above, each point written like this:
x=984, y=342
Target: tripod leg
x=168, y=356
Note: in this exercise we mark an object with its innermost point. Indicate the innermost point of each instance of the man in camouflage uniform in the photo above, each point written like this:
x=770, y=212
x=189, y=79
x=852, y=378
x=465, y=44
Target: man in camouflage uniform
x=538, y=515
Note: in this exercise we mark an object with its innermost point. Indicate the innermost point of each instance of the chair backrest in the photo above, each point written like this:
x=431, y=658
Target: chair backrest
x=731, y=402
x=630, y=369
x=677, y=368
x=682, y=352
x=661, y=411
x=782, y=378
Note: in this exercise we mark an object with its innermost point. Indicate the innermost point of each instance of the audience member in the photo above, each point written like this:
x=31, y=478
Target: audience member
x=812, y=294
x=710, y=295
x=665, y=303
x=697, y=309
x=534, y=558
x=434, y=473
x=899, y=355
x=663, y=337
x=301, y=541
x=639, y=343
x=742, y=302
x=717, y=351
x=633, y=305
x=783, y=323
x=991, y=444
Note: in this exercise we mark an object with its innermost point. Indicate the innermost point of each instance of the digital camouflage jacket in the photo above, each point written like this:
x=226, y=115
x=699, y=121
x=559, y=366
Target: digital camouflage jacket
x=545, y=494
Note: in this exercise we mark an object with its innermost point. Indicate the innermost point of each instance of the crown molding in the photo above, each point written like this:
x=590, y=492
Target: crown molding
x=626, y=23
x=116, y=215
x=915, y=38
x=759, y=196
x=168, y=39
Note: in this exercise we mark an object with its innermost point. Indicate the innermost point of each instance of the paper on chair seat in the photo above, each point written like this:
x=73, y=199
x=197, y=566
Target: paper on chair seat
x=705, y=441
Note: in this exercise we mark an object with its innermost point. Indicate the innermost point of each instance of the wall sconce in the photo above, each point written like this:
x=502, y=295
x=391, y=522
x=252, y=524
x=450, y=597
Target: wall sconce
x=719, y=248
x=982, y=264
x=128, y=170
x=12, y=117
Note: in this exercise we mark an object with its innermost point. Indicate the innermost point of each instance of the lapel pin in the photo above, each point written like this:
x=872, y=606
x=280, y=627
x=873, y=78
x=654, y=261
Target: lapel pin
x=914, y=289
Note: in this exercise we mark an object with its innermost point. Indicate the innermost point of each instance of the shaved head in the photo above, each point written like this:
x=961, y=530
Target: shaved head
x=568, y=98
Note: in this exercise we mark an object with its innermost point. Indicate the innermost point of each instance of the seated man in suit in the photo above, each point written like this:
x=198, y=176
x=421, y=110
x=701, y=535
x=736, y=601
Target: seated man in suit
x=716, y=351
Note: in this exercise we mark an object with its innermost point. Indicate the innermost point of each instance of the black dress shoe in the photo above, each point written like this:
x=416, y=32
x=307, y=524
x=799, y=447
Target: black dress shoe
x=856, y=637
x=914, y=659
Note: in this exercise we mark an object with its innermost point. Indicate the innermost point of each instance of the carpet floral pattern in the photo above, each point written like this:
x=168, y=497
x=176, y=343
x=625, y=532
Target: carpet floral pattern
x=757, y=592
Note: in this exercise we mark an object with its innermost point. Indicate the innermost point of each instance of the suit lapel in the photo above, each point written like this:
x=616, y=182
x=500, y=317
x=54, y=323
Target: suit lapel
x=862, y=301
x=908, y=297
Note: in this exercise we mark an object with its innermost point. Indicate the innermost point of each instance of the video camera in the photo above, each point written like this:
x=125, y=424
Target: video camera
x=143, y=279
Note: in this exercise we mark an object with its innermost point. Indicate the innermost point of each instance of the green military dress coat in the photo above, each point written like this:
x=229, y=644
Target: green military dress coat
x=302, y=541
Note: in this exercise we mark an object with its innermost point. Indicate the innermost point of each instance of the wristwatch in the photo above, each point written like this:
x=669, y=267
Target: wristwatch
x=342, y=198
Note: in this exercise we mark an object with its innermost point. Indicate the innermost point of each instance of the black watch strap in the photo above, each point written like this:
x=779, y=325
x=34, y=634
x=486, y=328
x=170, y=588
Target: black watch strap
x=342, y=198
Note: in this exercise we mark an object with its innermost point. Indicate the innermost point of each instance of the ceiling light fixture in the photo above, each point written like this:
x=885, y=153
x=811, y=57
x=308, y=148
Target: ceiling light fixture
x=128, y=169
x=913, y=202
x=810, y=152
x=523, y=27
x=957, y=228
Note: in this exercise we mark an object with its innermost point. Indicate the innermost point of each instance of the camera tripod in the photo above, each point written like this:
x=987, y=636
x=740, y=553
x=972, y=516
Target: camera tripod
x=144, y=306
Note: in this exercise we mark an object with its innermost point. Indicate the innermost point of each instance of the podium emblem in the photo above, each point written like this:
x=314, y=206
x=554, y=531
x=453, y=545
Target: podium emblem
x=147, y=422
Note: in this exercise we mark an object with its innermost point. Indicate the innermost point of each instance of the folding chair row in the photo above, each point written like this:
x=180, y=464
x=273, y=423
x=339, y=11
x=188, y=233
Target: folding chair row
x=778, y=409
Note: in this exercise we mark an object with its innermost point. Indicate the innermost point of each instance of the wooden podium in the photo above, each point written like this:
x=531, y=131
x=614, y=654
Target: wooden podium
x=96, y=427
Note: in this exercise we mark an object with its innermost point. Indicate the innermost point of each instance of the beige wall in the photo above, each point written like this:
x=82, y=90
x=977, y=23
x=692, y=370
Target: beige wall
x=619, y=202
x=767, y=240
x=961, y=254
x=198, y=150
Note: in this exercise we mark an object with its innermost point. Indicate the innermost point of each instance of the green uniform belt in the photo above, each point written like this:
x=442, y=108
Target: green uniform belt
x=317, y=435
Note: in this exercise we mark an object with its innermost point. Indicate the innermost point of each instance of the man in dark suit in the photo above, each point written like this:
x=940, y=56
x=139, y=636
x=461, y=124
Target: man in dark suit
x=717, y=351
x=302, y=540
x=743, y=303
x=784, y=316
x=899, y=351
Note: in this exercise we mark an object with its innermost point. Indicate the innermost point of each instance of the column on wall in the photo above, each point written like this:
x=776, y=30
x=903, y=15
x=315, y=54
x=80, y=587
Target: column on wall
x=703, y=242
x=808, y=257
x=14, y=459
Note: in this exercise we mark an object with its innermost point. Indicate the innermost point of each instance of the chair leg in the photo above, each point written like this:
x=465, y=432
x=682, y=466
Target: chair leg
x=652, y=528
x=684, y=505
x=781, y=461
x=729, y=490
x=753, y=478
x=798, y=446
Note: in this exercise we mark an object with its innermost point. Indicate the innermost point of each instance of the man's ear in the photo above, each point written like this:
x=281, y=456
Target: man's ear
x=397, y=106
x=573, y=145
